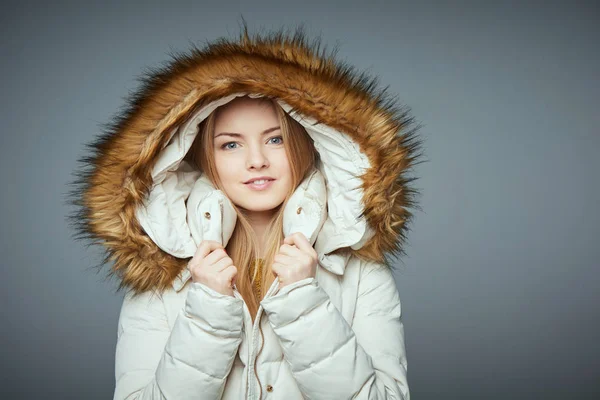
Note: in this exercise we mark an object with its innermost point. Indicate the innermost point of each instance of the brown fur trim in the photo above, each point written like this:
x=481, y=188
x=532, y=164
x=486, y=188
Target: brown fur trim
x=115, y=179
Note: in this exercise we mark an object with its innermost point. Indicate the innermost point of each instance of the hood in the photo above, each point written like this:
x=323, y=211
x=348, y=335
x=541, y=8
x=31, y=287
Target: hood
x=138, y=197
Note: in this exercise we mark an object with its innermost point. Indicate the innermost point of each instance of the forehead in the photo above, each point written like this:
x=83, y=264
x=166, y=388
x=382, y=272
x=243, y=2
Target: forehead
x=245, y=116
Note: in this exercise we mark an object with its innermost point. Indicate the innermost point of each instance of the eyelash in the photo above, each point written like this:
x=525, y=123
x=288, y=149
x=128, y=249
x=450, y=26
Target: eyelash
x=223, y=146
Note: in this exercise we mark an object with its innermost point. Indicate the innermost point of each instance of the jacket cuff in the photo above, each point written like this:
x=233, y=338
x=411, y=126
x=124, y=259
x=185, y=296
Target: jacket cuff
x=220, y=311
x=294, y=300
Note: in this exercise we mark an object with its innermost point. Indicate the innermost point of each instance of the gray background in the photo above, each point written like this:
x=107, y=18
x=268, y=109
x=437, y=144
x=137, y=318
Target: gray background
x=500, y=289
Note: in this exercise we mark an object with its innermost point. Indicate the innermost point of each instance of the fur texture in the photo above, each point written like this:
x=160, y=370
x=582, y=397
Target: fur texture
x=116, y=177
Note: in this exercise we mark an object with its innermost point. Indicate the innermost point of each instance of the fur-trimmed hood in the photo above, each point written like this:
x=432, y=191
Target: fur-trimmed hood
x=138, y=198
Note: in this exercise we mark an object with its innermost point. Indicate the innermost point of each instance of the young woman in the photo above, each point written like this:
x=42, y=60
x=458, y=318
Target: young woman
x=247, y=198
x=243, y=146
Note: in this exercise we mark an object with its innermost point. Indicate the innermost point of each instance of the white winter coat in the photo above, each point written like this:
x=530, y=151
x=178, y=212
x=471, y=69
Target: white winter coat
x=326, y=338
x=339, y=336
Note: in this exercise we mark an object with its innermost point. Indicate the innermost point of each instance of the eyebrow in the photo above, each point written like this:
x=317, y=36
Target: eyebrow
x=240, y=135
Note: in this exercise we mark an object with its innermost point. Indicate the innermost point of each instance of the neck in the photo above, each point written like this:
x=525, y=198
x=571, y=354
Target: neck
x=259, y=221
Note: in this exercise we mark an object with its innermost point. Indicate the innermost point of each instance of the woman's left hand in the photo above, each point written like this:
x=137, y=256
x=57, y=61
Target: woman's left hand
x=296, y=260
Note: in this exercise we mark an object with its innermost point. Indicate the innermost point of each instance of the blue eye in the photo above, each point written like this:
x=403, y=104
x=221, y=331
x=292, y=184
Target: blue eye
x=224, y=146
x=277, y=137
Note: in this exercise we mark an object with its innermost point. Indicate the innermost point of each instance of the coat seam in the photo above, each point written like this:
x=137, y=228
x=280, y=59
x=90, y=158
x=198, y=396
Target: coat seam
x=193, y=367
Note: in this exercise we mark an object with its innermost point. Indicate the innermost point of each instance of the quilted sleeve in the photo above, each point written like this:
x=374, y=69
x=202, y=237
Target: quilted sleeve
x=333, y=360
x=194, y=359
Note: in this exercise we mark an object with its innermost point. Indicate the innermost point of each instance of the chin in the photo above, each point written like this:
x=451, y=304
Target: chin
x=257, y=202
x=253, y=207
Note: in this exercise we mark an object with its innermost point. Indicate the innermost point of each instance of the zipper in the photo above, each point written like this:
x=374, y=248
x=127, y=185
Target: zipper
x=256, y=358
x=236, y=293
x=257, y=326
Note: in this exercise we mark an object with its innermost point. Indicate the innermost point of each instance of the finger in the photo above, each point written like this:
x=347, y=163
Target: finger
x=300, y=241
x=289, y=250
x=289, y=240
x=276, y=268
x=215, y=256
x=206, y=247
x=222, y=264
x=229, y=273
x=285, y=260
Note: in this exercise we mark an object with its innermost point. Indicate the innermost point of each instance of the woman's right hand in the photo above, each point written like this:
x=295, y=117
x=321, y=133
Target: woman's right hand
x=212, y=267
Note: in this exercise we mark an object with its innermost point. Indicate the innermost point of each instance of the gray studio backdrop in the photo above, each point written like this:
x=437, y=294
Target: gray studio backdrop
x=500, y=288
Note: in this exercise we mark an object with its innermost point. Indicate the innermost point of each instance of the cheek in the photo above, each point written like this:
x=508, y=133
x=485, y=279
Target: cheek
x=226, y=169
x=283, y=163
x=284, y=171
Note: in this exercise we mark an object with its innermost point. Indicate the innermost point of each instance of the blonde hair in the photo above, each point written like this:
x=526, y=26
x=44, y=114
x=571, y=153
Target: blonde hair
x=243, y=246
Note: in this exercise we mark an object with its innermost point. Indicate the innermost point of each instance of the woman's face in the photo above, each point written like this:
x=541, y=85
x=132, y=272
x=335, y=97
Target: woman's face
x=248, y=145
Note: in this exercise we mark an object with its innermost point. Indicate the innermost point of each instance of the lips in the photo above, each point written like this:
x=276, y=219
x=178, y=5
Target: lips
x=265, y=185
x=261, y=178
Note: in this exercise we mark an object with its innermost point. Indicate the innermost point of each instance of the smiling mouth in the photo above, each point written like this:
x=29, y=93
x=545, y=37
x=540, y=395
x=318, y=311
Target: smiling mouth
x=259, y=181
x=260, y=184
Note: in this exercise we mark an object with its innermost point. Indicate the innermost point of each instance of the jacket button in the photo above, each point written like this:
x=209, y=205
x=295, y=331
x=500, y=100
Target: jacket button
x=269, y=388
x=299, y=210
x=207, y=215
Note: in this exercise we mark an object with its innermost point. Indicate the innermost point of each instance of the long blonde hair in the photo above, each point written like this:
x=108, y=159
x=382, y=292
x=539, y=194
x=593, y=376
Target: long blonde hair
x=243, y=246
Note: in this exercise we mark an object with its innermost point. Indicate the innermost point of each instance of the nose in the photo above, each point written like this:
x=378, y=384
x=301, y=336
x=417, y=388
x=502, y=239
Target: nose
x=256, y=159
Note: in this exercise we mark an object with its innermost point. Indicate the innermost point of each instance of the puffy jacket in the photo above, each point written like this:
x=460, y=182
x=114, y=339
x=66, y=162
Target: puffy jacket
x=336, y=336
